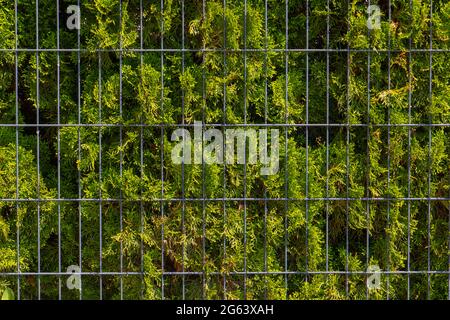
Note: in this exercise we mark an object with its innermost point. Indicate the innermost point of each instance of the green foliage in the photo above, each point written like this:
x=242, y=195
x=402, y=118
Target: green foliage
x=8, y=294
x=151, y=228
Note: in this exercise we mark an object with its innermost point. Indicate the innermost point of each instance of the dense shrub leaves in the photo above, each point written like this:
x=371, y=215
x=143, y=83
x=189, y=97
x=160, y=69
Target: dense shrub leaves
x=210, y=239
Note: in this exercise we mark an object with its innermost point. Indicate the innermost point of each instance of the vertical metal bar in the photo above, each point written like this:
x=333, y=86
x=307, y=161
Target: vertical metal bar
x=80, y=248
x=347, y=165
x=327, y=203
x=286, y=145
x=38, y=152
x=100, y=173
x=389, y=156
x=203, y=162
x=265, y=121
x=58, y=76
x=245, y=150
x=307, y=144
x=162, y=150
x=409, y=160
x=16, y=79
x=183, y=195
x=369, y=61
x=121, y=144
x=430, y=119
x=223, y=147
x=141, y=204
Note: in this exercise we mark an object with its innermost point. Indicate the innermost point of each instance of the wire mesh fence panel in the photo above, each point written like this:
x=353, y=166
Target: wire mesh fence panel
x=224, y=149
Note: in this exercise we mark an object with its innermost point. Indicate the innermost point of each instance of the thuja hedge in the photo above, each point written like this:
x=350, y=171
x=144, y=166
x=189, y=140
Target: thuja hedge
x=137, y=226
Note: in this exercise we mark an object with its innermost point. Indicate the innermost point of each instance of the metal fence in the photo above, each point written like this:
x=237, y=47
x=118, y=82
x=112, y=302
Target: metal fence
x=79, y=276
